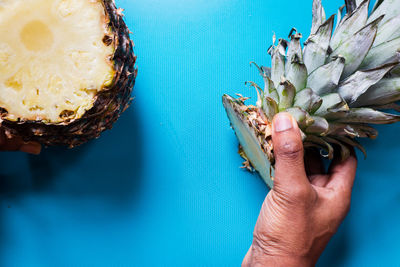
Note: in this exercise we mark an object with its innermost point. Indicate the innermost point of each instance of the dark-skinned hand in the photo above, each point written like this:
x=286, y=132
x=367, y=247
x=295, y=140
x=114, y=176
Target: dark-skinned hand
x=306, y=206
x=17, y=144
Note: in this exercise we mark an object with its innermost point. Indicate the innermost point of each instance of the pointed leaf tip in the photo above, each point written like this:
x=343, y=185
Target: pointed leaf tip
x=386, y=8
x=319, y=15
x=357, y=84
x=286, y=92
x=350, y=24
x=350, y=5
x=317, y=45
x=356, y=48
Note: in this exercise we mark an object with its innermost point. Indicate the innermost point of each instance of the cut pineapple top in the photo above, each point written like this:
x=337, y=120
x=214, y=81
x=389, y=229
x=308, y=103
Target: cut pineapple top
x=343, y=80
x=53, y=60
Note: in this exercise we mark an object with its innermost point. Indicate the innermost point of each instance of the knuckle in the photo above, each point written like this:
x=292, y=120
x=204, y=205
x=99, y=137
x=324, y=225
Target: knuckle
x=296, y=194
x=300, y=192
x=290, y=150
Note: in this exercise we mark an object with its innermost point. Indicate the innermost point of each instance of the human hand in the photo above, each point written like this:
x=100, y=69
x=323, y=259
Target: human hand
x=305, y=207
x=17, y=144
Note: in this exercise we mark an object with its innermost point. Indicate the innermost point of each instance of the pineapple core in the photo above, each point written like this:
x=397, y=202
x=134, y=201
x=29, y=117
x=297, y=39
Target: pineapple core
x=53, y=60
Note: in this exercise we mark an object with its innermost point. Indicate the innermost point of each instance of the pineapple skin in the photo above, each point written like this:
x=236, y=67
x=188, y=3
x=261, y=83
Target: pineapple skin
x=109, y=105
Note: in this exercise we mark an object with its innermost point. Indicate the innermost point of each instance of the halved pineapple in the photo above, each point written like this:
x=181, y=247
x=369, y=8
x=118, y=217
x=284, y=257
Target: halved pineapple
x=66, y=68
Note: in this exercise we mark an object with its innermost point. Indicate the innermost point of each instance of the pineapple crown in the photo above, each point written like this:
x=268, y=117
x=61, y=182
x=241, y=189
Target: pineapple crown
x=338, y=83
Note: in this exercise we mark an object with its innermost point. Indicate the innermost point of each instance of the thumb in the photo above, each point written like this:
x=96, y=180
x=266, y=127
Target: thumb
x=289, y=153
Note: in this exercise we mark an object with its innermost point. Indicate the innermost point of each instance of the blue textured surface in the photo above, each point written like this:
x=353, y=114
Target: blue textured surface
x=163, y=187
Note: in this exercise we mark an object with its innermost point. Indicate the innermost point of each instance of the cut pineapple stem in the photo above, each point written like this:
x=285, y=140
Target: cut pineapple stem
x=53, y=60
x=249, y=141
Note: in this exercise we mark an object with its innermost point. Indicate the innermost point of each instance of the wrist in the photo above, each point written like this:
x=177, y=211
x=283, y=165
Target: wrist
x=259, y=257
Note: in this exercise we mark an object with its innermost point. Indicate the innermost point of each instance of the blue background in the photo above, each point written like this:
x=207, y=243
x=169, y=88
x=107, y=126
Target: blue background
x=164, y=186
